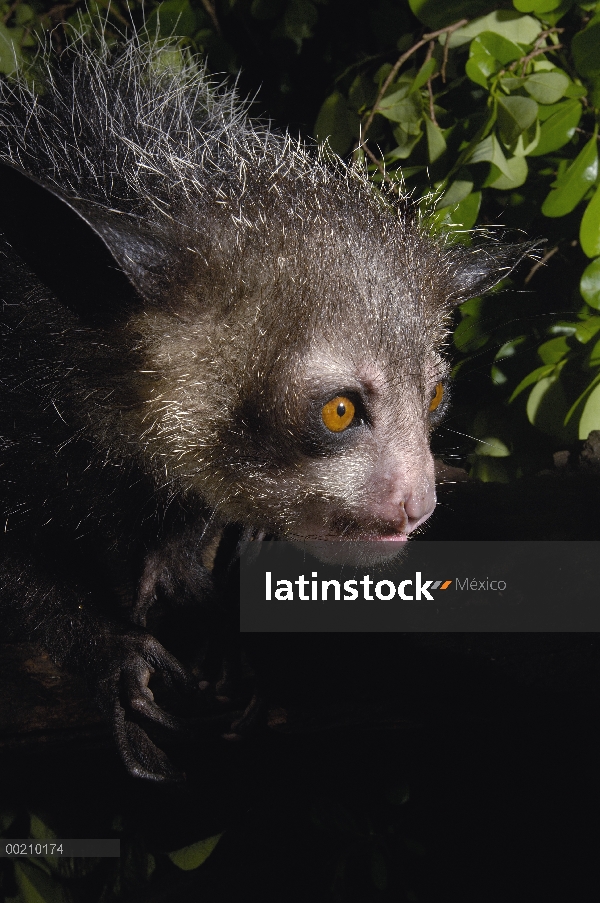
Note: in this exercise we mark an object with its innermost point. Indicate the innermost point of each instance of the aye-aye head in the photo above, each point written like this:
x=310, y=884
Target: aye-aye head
x=303, y=361
x=294, y=320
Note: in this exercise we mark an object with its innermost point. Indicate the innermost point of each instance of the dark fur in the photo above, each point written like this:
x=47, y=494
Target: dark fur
x=268, y=279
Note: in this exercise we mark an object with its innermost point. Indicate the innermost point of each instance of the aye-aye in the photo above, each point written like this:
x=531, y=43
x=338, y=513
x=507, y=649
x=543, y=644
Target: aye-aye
x=276, y=362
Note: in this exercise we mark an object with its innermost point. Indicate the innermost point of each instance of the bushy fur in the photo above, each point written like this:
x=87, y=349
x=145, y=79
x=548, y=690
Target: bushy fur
x=269, y=279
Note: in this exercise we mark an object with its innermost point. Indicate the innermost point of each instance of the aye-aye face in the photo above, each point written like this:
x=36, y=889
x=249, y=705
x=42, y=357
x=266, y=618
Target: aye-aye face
x=300, y=371
x=327, y=390
x=337, y=442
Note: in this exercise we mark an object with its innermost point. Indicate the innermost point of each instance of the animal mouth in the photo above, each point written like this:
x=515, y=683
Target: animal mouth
x=345, y=530
x=370, y=530
x=388, y=537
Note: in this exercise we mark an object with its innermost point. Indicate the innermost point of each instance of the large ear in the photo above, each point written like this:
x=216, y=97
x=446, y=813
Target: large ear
x=478, y=269
x=137, y=246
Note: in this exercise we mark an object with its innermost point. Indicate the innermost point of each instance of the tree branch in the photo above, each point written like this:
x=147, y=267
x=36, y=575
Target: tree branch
x=402, y=59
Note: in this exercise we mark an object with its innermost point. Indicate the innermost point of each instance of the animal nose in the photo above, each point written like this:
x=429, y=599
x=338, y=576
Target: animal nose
x=405, y=510
x=419, y=507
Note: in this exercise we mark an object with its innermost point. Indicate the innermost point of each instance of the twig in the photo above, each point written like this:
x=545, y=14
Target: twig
x=402, y=59
x=527, y=59
x=429, y=81
x=548, y=32
x=539, y=47
x=9, y=12
x=431, y=107
x=445, y=60
x=540, y=263
x=210, y=9
x=381, y=167
x=58, y=10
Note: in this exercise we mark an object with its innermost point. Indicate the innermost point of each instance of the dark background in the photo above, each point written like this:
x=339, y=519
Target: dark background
x=423, y=768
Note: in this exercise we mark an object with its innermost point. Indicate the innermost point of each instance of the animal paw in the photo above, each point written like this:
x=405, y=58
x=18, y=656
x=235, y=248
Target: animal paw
x=125, y=699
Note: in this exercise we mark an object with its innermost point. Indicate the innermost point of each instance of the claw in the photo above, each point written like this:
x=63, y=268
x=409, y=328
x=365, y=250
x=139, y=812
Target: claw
x=141, y=757
x=124, y=692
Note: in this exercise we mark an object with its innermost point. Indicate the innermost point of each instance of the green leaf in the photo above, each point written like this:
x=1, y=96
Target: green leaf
x=507, y=22
x=10, y=49
x=489, y=52
x=594, y=91
x=361, y=93
x=404, y=107
x=7, y=817
x=531, y=378
x=491, y=470
x=549, y=109
x=594, y=358
x=556, y=131
x=436, y=14
x=436, y=143
x=481, y=66
x=39, y=830
x=587, y=329
x=555, y=15
x=24, y=14
x=489, y=150
x=572, y=185
x=585, y=49
x=406, y=142
x=299, y=20
x=590, y=284
x=457, y=192
x=498, y=46
x=506, y=181
x=172, y=17
x=515, y=115
x=535, y=6
x=589, y=232
x=510, y=348
x=510, y=83
x=334, y=123
x=470, y=334
x=36, y=885
x=463, y=216
x=471, y=308
x=590, y=417
x=193, y=856
x=581, y=397
x=424, y=73
x=561, y=327
x=547, y=408
x=554, y=350
x=575, y=90
x=547, y=87
x=492, y=447
x=527, y=141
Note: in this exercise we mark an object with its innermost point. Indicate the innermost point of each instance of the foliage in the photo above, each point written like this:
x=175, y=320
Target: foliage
x=497, y=115
x=490, y=113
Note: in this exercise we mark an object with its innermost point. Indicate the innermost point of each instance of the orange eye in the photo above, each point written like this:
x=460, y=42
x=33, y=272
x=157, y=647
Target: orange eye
x=436, y=398
x=338, y=414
